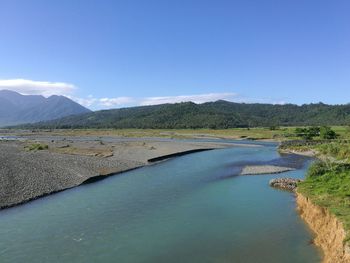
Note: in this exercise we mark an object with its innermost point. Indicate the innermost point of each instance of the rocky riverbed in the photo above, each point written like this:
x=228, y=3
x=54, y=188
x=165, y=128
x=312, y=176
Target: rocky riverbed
x=31, y=169
x=289, y=184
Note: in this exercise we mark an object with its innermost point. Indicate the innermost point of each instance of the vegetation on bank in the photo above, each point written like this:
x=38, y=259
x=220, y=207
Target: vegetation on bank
x=308, y=133
x=327, y=183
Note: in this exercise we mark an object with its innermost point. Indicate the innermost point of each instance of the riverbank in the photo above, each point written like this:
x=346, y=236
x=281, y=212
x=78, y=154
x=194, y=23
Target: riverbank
x=330, y=232
x=31, y=169
x=323, y=197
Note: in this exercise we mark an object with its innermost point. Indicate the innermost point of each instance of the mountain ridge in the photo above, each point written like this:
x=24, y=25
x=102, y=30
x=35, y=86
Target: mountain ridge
x=16, y=108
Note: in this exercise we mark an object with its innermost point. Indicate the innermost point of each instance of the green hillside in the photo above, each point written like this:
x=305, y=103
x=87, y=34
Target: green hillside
x=214, y=115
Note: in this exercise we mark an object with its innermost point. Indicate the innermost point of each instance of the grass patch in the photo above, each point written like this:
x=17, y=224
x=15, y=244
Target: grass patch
x=337, y=150
x=36, y=147
x=327, y=184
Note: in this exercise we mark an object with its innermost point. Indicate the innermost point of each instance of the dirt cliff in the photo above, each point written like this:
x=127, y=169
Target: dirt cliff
x=330, y=234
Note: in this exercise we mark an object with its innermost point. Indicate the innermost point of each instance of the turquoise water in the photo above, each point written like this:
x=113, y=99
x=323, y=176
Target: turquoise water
x=189, y=209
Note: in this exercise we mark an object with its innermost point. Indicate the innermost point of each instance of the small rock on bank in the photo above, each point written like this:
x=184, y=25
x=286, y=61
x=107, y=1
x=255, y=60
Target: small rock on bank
x=289, y=184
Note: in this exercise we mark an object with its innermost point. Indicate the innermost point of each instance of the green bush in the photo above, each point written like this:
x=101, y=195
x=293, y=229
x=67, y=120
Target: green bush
x=37, y=147
x=307, y=133
x=327, y=133
x=318, y=168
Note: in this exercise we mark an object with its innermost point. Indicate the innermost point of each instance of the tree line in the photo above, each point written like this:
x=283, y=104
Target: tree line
x=213, y=115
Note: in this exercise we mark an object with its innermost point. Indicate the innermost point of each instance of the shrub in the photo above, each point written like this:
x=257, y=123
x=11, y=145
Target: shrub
x=327, y=133
x=37, y=147
x=307, y=133
x=318, y=168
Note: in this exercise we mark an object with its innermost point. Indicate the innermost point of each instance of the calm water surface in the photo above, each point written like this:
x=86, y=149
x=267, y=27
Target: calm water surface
x=189, y=209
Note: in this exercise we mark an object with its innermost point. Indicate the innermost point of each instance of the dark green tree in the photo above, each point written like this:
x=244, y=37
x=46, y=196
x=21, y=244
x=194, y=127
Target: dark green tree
x=327, y=133
x=307, y=133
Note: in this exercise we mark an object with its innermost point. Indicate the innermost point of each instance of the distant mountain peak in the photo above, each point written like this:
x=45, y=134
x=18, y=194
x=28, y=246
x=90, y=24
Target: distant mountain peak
x=9, y=91
x=16, y=108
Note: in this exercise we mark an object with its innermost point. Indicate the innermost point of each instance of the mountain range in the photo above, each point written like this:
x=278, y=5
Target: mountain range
x=216, y=115
x=16, y=108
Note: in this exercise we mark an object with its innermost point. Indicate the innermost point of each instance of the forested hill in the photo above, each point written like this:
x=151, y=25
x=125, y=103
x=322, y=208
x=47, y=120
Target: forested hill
x=216, y=115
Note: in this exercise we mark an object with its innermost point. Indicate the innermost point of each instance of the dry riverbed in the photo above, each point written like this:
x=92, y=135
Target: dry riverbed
x=27, y=173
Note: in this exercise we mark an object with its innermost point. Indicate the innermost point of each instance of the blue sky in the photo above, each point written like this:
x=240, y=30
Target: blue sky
x=108, y=54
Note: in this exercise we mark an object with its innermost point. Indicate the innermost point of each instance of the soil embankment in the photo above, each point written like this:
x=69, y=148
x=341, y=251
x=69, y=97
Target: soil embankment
x=330, y=234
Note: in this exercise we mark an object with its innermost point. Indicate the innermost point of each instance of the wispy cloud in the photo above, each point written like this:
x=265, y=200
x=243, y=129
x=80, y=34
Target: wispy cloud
x=47, y=88
x=118, y=102
x=113, y=102
x=32, y=87
x=200, y=98
x=86, y=102
x=242, y=99
x=98, y=103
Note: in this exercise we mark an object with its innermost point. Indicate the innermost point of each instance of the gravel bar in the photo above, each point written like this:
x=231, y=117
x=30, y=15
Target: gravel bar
x=27, y=175
x=264, y=169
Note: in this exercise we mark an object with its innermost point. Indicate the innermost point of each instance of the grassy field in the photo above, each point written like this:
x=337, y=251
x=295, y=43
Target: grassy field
x=277, y=134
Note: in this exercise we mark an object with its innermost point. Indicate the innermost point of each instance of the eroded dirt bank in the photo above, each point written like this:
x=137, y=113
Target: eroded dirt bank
x=330, y=234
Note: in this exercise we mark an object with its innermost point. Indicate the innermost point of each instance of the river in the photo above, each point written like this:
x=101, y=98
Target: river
x=193, y=208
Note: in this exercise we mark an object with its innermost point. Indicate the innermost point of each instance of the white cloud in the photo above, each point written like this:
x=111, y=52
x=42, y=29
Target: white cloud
x=119, y=102
x=107, y=103
x=280, y=102
x=47, y=88
x=201, y=98
x=86, y=102
x=112, y=102
x=31, y=87
x=262, y=101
